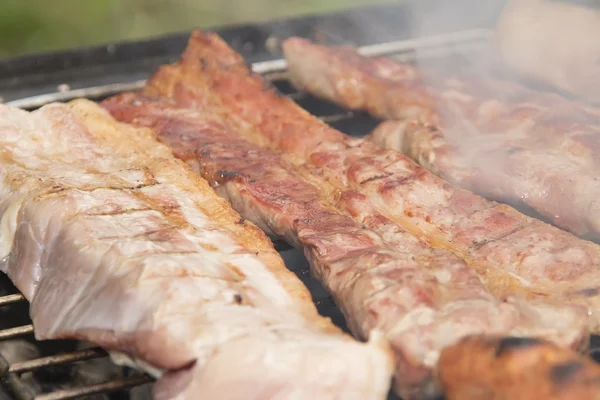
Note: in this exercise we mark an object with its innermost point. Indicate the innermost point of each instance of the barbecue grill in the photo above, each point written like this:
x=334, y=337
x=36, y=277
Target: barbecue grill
x=99, y=72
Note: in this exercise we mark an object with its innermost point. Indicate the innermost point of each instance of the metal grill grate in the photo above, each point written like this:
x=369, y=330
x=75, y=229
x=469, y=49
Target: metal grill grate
x=353, y=123
x=10, y=374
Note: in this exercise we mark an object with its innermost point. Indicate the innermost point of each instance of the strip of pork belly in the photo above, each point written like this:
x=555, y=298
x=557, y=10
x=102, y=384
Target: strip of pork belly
x=512, y=253
x=115, y=241
x=383, y=278
x=390, y=89
x=488, y=135
x=558, y=185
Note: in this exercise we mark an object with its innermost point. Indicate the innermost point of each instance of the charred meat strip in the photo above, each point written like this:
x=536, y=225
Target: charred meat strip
x=484, y=134
x=516, y=368
x=115, y=241
x=383, y=278
x=512, y=253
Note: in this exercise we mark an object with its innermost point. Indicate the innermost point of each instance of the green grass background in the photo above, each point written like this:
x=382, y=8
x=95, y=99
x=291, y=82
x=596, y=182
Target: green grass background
x=28, y=26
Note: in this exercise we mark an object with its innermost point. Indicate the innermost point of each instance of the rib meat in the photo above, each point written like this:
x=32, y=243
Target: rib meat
x=116, y=242
x=512, y=253
x=484, y=134
x=383, y=278
x=482, y=368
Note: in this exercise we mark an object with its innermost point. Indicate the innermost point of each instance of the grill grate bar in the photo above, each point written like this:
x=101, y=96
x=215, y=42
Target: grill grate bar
x=12, y=333
x=276, y=69
x=11, y=299
x=110, y=386
x=337, y=117
x=59, y=359
x=18, y=388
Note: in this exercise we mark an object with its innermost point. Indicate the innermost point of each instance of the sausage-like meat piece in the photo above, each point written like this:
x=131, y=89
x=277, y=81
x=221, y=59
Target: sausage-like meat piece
x=499, y=368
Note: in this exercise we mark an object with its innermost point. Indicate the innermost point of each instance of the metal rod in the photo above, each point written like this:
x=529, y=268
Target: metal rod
x=117, y=384
x=16, y=332
x=94, y=91
x=58, y=359
x=18, y=388
x=336, y=117
x=13, y=382
x=265, y=67
x=399, y=46
x=11, y=299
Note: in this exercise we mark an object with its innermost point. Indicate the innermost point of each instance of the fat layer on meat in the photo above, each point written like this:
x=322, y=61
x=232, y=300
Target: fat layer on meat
x=499, y=139
x=512, y=253
x=115, y=241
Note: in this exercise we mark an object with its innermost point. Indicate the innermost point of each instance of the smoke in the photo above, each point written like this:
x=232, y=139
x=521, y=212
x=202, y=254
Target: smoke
x=514, y=114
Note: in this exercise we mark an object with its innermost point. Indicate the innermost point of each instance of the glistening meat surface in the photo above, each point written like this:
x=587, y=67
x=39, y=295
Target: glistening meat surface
x=512, y=253
x=115, y=241
x=383, y=278
x=488, y=135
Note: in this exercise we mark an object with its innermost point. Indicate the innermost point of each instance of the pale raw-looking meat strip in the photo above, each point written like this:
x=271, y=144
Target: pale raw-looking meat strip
x=116, y=242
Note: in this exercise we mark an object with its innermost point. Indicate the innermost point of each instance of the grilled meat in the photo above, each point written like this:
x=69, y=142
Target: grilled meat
x=115, y=241
x=383, y=278
x=516, y=368
x=504, y=142
x=512, y=253
x=509, y=166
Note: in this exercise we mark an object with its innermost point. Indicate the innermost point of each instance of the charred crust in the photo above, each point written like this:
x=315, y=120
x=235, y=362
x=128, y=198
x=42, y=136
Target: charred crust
x=510, y=343
x=513, y=150
x=564, y=372
x=202, y=63
x=223, y=174
x=590, y=292
x=477, y=244
x=398, y=182
x=137, y=187
x=374, y=178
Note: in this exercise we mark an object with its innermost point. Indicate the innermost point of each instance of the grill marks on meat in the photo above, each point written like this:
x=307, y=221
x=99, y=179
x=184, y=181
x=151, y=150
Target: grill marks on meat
x=514, y=254
x=481, y=367
x=116, y=242
x=538, y=149
x=383, y=278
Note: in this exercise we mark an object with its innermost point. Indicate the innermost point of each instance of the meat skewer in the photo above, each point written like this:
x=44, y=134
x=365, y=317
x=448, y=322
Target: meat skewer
x=512, y=253
x=383, y=278
x=516, y=368
x=116, y=242
x=502, y=141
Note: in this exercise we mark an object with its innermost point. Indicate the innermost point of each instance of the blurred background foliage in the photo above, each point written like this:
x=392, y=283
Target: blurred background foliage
x=28, y=26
